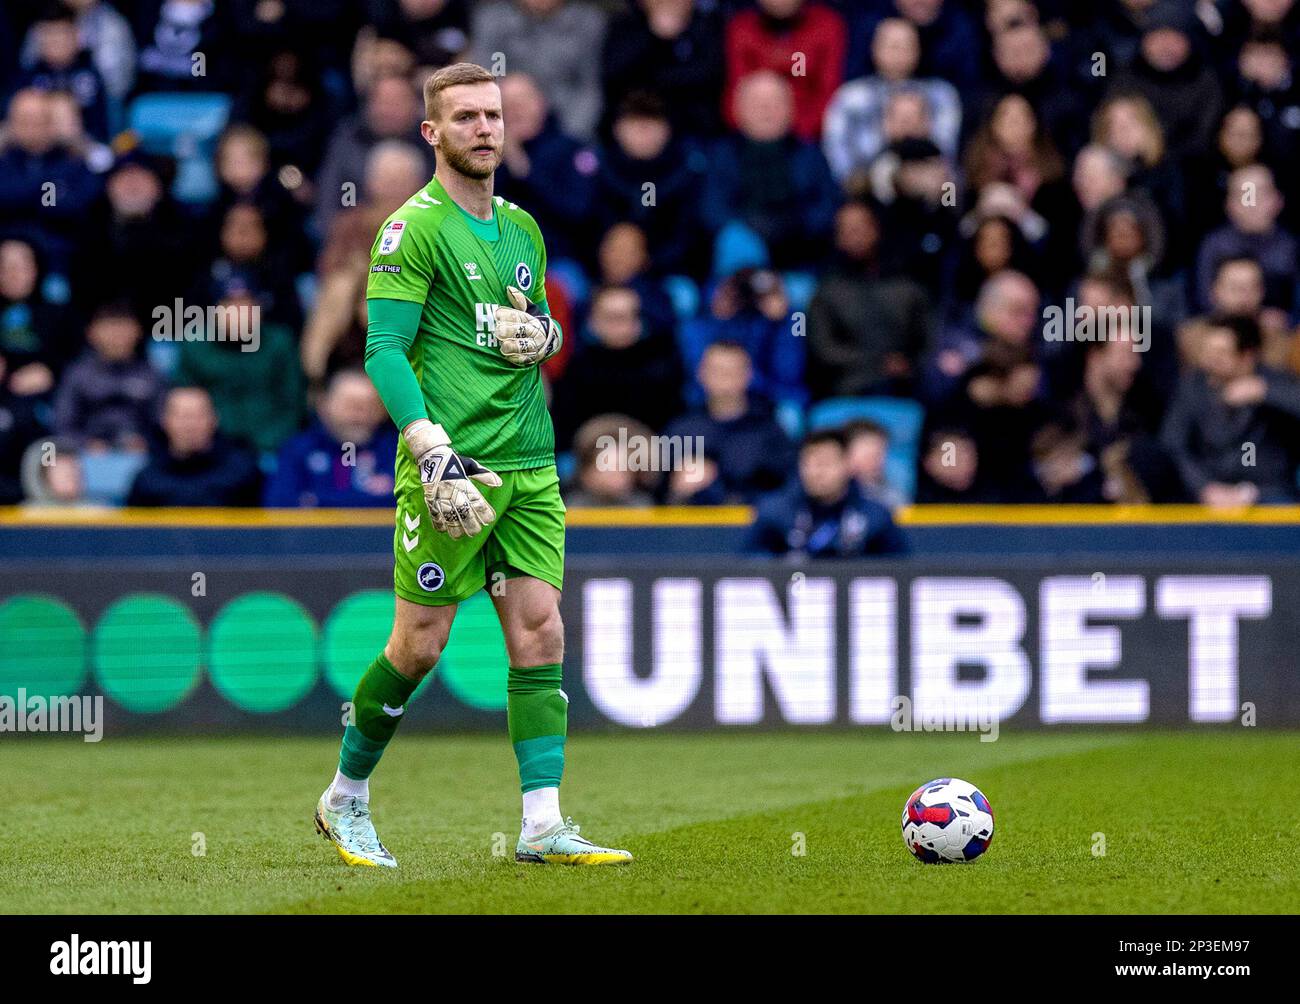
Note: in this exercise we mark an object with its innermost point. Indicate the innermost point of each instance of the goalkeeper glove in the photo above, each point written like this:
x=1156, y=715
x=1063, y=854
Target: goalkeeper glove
x=525, y=335
x=456, y=506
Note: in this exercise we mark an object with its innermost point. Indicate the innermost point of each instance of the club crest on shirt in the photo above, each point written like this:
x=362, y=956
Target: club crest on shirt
x=392, y=236
x=523, y=276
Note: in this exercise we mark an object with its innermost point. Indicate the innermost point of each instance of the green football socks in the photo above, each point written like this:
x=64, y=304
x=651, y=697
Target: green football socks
x=538, y=714
x=377, y=708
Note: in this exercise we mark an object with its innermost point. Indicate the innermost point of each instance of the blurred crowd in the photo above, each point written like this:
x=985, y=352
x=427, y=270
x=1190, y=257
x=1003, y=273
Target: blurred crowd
x=1065, y=231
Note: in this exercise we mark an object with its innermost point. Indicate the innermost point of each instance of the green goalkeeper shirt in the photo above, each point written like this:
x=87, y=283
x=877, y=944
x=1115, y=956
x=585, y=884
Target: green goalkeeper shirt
x=437, y=275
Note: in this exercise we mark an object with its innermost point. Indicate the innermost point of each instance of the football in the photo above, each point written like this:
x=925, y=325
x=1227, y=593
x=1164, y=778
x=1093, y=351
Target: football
x=947, y=820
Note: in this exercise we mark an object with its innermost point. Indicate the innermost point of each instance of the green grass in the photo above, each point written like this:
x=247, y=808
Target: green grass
x=1193, y=822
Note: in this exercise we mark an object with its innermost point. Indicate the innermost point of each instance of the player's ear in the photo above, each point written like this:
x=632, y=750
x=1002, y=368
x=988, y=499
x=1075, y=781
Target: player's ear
x=430, y=132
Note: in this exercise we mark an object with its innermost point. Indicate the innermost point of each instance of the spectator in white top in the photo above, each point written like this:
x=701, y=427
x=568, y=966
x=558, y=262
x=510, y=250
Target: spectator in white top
x=854, y=130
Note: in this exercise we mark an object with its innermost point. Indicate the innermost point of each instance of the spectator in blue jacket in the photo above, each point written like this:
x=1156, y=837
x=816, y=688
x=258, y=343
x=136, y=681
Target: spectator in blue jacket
x=61, y=64
x=824, y=514
x=106, y=35
x=753, y=309
x=345, y=458
x=31, y=161
x=196, y=465
x=769, y=180
x=750, y=452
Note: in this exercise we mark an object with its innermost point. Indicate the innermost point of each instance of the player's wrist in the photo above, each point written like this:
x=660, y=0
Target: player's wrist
x=423, y=435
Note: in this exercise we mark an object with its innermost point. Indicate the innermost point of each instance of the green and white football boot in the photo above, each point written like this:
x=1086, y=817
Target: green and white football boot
x=561, y=845
x=352, y=833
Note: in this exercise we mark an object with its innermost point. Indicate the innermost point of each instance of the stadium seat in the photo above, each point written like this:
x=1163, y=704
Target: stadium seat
x=738, y=246
x=799, y=287
x=163, y=356
x=790, y=416
x=307, y=287
x=186, y=127
x=901, y=418
x=56, y=288
x=566, y=466
x=684, y=293
x=570, y=273
x=108, y=476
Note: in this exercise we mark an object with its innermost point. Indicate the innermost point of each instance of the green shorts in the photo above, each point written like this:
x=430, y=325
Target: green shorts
x=526, y=538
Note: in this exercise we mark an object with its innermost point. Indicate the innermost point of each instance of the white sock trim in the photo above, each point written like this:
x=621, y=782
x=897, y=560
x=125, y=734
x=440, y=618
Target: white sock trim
x=344, y=788
x=541, y=811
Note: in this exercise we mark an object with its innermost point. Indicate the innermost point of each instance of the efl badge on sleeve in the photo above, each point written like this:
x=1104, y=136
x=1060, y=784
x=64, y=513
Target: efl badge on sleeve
x=392, y=236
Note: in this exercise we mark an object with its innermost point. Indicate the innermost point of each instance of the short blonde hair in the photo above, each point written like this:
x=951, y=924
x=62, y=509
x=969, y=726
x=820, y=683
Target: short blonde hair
x=451, y=76
x=240, y=133
x=1153, y=150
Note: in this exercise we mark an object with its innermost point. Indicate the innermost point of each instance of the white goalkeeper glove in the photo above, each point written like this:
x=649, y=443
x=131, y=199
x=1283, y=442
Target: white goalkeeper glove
x=456, y=506
x=525, y=335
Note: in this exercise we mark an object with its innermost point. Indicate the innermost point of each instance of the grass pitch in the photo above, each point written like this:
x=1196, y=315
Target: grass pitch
x=1191, y=823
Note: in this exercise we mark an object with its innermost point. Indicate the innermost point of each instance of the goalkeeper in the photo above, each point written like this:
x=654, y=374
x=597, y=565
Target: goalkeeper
x=458, y=325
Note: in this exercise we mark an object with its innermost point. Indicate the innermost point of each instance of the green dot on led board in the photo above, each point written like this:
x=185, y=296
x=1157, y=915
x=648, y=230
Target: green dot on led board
x=475, y=665
x=146, y=650
x=42, y=647
x=262, y=652
x=356, y=631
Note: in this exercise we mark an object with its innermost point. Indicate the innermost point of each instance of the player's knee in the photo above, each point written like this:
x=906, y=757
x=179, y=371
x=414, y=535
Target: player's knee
x=544, y=636
x=415, y=653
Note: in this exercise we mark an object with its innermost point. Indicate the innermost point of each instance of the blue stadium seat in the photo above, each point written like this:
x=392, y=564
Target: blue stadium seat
x=186, y=127
x=307, y=287
x=684, y=293
x=571, y=276
x=790, y=416
x=108, y=476
x=799, y=287
x=566, y=466
x=901, y=417
x=737, y=246
x=163, y=356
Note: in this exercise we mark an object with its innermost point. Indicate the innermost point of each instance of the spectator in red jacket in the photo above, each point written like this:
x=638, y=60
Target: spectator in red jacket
x=805, y=42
